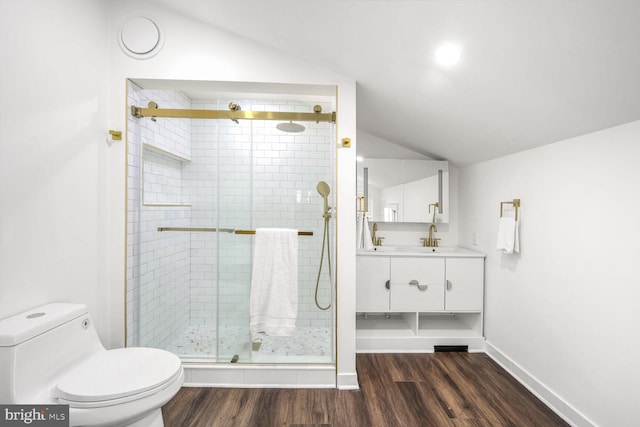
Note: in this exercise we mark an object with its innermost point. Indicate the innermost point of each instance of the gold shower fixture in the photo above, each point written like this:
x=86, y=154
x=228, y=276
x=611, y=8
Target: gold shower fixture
x=152, y=105
x=234, y=107
x=234, y=113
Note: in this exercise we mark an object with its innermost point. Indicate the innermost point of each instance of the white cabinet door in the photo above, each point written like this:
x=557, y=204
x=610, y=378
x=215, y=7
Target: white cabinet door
x=417, y=284
x=465, y=278
x=372, y=275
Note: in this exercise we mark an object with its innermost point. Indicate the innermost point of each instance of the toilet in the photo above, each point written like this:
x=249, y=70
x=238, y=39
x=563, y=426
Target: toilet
x=52, y=355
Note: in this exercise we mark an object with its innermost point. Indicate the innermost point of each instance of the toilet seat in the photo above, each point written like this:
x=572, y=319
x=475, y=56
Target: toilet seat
x=112, y=377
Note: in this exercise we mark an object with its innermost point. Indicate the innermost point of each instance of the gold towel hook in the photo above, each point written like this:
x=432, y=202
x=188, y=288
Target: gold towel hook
x=116, y=135
x=514, y=202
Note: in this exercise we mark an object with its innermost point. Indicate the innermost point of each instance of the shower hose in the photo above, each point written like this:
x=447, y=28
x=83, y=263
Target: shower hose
x=325, y=242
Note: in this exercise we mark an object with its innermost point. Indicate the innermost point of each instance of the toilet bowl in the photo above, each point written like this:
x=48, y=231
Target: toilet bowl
x=52, y=355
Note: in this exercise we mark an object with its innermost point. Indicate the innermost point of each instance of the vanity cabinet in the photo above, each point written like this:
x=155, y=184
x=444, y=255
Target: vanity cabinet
x=465, y=278
x=411, y=303
x=372, y=290
x=417, y=284
x=399, y=284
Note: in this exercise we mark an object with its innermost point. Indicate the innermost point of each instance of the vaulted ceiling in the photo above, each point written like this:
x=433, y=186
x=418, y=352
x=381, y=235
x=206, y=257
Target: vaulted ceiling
x=531, y=72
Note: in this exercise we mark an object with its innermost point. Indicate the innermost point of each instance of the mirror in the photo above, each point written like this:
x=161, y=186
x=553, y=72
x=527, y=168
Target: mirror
x=397, y=190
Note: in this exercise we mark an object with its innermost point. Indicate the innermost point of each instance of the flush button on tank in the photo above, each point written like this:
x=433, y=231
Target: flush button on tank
x=35, y=315
x=86, y=323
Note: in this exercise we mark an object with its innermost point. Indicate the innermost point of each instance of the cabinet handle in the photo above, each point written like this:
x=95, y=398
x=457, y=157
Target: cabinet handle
x=387, y=284
x=448, y=285
x=416, y=283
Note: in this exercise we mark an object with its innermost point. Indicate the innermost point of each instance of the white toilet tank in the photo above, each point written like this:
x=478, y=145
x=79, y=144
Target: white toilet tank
x=38, y=345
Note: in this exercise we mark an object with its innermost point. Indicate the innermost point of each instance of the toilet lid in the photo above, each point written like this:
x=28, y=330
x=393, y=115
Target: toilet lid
x=118, y=373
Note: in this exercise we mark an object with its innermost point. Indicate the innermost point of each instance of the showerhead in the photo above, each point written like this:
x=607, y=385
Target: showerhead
x=290, y=127
x=324, y=190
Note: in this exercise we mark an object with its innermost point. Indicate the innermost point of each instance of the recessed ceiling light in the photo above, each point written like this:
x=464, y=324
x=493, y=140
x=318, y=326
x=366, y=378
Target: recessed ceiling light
x=448, y=55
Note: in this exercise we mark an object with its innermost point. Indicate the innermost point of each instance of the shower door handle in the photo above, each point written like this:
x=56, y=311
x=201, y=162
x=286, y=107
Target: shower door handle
x=387, y=284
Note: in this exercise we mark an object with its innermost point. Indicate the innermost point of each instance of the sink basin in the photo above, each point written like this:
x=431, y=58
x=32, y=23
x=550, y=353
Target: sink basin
x=414, y=249
x=424, y=249
x=399, y=251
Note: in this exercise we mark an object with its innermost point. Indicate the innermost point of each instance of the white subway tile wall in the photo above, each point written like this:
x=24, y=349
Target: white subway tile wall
x=158, y=264
x=231, y=175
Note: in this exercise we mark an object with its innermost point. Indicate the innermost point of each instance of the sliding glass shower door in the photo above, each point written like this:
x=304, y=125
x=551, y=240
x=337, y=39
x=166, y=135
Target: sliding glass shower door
x=197, y=190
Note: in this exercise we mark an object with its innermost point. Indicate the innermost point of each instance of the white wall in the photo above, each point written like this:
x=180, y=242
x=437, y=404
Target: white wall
x=374, y=147
x=53, y=166
x=564, y=312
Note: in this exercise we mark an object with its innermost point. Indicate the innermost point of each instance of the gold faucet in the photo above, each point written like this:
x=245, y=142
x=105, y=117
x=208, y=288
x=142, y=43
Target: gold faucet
x=431, y=241
x=377, y=241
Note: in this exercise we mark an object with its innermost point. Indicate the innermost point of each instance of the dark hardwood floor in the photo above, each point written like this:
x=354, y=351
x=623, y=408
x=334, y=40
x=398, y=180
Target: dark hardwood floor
x=398, y=390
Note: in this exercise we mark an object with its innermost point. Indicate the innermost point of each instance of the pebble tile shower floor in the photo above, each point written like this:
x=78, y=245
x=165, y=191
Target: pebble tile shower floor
x=306, y=345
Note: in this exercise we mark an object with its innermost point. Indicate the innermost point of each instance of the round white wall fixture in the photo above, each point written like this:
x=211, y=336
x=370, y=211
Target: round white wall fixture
x=140, y=37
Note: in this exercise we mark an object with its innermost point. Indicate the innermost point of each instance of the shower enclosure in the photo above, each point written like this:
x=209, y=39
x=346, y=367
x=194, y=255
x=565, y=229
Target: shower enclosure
x=197, y=191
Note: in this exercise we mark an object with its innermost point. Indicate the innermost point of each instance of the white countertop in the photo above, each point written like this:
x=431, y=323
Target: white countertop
x=421, y=251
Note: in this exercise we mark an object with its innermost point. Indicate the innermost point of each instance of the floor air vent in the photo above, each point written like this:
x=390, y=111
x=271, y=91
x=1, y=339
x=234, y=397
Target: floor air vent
x=451, y=348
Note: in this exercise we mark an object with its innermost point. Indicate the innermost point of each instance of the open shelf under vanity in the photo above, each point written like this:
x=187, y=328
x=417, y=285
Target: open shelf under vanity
x=417, y=332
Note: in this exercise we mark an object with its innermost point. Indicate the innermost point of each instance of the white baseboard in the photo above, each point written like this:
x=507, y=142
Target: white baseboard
x=259, y=376
x=556, y=403
x=348, y=381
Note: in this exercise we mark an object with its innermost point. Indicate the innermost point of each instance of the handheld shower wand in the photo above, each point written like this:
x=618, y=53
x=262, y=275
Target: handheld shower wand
x=324, y=190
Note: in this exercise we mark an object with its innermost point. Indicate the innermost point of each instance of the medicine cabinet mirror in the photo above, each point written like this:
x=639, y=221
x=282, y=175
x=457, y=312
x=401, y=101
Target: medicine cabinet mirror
x=403, y=190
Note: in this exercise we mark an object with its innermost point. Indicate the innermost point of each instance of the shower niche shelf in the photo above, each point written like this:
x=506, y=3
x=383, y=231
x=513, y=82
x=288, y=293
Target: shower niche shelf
x=162, y=177
x=162, y=152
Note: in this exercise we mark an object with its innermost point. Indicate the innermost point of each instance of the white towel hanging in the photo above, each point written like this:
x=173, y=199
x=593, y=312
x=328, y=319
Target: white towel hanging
x=508, y=240
x=359, y=231
x=363, y=232
x=273, y=303
x=368, y=242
